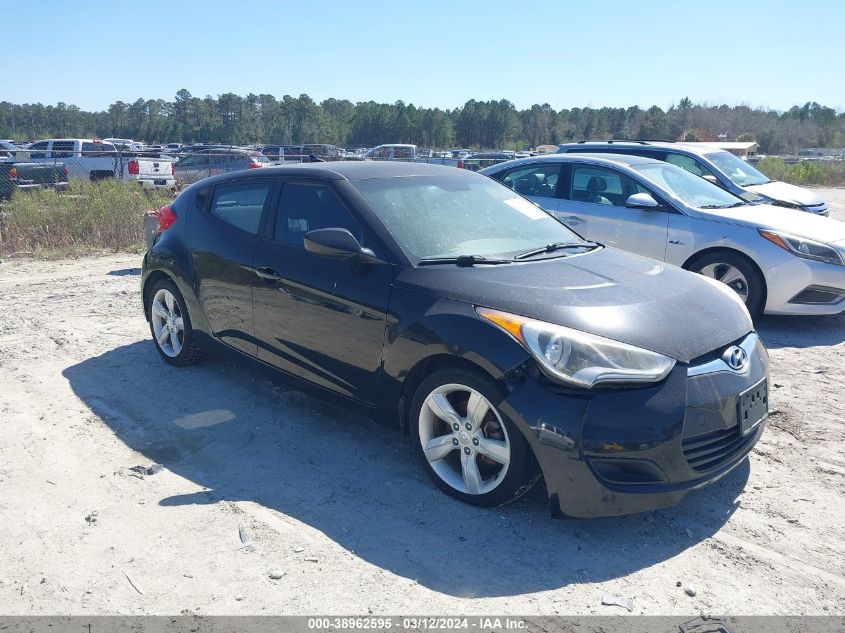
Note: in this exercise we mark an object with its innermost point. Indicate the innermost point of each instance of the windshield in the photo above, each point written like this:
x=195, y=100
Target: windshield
x=689, y=188
x=448, y=216
x=738, y=170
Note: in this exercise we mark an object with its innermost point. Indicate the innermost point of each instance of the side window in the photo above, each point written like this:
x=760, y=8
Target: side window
x=91, y=149
x=598, y=185
x=62, y=149
x=688, y=163
x=191, y=161
x=532, y=180
x=241, y=203
x=217, y=160
x=304, y=208
x=38, y=150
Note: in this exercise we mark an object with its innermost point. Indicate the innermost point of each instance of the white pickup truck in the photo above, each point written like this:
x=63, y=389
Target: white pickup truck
x=95, y=160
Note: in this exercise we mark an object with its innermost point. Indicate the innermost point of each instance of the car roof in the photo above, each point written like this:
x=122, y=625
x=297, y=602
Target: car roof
x=603, y=158
x=351, y=170
x=680, y=147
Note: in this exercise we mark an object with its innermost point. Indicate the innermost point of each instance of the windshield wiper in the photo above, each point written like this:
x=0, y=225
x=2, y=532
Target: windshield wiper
x=724, y=206
x=462, y=260
x=555, y=246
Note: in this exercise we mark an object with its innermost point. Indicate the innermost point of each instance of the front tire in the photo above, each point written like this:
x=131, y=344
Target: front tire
x=170, y=325
x=467, y=447
x=738, y=273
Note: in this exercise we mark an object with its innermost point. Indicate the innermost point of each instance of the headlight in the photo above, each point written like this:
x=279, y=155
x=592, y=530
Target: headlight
x=580, y=359
x=802, y=247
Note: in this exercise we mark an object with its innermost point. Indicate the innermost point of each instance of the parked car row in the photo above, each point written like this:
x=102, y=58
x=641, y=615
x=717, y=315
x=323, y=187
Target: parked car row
x=506, y=345
x=90, y=159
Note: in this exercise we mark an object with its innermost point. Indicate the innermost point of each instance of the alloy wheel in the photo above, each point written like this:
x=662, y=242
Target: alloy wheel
x=168, y=324
x=464, y=439
x=728, y=275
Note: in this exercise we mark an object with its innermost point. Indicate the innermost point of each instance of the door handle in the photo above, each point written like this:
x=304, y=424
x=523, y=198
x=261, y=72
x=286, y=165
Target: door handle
x=572, y=219
x=268, y=273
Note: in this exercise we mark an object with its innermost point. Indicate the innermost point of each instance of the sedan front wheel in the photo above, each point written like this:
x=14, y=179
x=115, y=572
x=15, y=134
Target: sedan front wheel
x=737, y=273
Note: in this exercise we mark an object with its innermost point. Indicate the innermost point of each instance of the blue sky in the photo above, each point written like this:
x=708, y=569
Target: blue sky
x=433, y=53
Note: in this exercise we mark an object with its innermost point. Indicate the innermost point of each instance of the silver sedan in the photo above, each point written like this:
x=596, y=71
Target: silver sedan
x=778, y=260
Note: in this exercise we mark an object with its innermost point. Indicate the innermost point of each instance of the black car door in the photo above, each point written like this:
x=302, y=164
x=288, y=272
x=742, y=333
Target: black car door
x=320, y=318
x=222, y=237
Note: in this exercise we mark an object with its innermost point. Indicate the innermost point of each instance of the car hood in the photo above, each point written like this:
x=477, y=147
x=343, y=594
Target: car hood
x=778, y=190
x=767, y=216
x=617, y=295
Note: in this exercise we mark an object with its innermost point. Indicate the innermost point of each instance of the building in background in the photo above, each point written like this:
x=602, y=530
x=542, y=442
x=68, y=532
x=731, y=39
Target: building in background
x=741, y=149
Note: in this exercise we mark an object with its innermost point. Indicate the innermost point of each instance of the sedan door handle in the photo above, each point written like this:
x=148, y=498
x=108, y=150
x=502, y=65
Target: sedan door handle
x=268, y=273
x=572, y=219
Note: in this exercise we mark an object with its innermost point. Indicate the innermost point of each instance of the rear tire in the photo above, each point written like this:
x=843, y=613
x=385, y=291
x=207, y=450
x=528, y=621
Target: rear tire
x=170, y=325
x=738, y=272
x=472, y=451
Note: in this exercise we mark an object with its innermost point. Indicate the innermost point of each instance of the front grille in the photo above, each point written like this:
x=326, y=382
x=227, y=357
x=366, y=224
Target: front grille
x=714, y=354
x=711, y=450
x=818, y=295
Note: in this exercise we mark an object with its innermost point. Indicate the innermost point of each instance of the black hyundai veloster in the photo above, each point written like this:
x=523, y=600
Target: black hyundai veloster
x=441, y=302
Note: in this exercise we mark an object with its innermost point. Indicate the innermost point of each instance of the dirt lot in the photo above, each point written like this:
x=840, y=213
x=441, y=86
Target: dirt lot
x=339, y=506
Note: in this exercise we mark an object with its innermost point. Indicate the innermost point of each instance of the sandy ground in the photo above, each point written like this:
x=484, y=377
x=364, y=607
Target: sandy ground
x=338, y=505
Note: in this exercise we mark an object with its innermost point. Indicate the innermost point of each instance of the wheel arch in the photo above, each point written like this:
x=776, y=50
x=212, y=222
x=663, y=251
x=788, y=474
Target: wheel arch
x=198, y=321
x=733, y=251
x=152, y=279
x=425, y=367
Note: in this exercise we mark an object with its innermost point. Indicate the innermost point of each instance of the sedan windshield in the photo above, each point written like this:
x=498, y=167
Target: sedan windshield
x=738, y=170
x=689, y=188
x=450, y=216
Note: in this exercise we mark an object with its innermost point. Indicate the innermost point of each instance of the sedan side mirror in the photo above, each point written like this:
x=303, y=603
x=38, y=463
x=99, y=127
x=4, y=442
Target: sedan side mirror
x=642, y=201
x=713, y=180
x=335, y=242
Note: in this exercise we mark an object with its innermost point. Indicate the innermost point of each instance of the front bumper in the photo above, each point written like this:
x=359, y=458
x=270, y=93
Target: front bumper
x=621, y=451
x=791, y=287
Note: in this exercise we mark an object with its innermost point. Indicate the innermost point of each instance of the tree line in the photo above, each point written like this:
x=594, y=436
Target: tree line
x=254, y=119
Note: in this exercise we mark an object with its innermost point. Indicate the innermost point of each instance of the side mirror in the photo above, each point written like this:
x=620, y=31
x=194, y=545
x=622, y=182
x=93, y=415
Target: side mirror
x=713, y=180
x=335, y=242
x=642, y=201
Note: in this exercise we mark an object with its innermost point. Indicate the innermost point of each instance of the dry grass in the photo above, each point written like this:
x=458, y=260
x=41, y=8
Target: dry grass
x=105, y=216
x=805, y=172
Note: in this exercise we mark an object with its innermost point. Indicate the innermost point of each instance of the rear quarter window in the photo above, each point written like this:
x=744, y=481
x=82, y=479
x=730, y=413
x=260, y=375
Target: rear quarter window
x=241, y=204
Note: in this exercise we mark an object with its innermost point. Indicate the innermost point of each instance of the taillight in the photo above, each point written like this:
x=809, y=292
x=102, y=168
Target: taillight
x=67, y=172
x=166, y=218
x=133, y=167
x=255, y=165
x=460, y=164
x=13, y=173
x=172, y=170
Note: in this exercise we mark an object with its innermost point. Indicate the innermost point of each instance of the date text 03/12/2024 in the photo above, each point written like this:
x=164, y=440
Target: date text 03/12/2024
x=417, y=623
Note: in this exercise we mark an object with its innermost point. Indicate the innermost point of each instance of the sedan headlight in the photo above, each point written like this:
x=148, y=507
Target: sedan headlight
x=802, y=247
x=580, y=359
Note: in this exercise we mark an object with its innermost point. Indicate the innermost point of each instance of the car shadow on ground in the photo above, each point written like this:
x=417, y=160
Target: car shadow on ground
x=247, y=436
x=801, y=331
x=125, y=272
